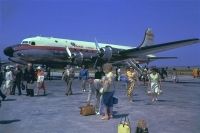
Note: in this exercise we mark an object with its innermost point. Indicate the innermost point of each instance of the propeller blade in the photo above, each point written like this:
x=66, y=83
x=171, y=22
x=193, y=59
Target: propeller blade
x=68, y=52
x=97, y=45
x=95, y=62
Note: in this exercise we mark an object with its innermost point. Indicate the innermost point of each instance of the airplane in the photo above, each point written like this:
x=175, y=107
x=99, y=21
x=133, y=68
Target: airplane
x=55, y=52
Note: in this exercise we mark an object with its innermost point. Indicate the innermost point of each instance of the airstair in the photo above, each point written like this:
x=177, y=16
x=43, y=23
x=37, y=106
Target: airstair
x=133, y=63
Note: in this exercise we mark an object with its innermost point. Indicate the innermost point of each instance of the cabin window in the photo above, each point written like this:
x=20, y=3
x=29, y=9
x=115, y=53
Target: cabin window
x=56, y=41
x=32, y=43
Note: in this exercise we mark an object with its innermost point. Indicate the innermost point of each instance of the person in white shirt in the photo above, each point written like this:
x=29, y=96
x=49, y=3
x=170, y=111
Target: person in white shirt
x=154, y=84
x=8, y=80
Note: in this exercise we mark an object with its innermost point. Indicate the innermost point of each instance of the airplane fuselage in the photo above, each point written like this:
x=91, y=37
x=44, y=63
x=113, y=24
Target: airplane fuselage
x=48, y=49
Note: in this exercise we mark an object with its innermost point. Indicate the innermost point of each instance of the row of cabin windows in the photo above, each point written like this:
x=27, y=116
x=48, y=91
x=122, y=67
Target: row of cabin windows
x=73, y=44
x=33, y=43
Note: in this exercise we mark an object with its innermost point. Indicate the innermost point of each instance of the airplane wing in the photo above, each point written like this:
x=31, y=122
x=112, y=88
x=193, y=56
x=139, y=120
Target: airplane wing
x=139, y=51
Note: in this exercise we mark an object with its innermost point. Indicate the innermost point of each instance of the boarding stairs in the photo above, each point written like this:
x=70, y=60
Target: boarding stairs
x=133, y=63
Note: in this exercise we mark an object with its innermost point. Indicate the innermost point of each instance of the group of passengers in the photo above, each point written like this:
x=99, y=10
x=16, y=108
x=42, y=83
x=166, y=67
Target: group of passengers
x=23, y=78
x=101, y=86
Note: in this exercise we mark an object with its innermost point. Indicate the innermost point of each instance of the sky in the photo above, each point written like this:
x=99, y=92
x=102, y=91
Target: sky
x=120, y=22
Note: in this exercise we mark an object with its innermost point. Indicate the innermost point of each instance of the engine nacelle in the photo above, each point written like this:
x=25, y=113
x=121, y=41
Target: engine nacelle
x=106, y=53
x=77, y=58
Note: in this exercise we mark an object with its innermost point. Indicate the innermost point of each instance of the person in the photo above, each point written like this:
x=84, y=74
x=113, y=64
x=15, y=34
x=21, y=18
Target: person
x=68, y=77
x=8, y=80
x=40, y=80
x=94, y=89
x=198, y=73
x=107, y=91
x=118, y=73
x=163, y=74
x=132, y=78
x=154, y=84
x=174, y=75
x=83, y=75
x=29, y=77
x=48, y=73
x=1, y=81
x=145, y=75
x=17, y=73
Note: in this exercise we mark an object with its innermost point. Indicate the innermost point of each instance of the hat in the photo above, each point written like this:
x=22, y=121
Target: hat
x=131, y=67
x=7, y=67
x=39, y=67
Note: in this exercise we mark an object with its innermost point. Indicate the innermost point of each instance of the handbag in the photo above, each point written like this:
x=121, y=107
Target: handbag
x=124, y=126
x=87, y=110
x=115, y=100
x=141, y=127
x=30, y=86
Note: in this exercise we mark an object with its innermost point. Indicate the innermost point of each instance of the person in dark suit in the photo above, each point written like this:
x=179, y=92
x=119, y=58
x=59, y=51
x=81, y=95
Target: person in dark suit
x=17, y=80
x=29, y=77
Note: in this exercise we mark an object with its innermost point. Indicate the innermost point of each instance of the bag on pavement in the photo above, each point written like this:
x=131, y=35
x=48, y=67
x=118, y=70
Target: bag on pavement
x=87, y=110
x=124, y=126
x=141, y=127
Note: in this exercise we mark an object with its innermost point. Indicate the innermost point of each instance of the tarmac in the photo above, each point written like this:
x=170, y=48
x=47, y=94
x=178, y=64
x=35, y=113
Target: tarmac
x=176, y=111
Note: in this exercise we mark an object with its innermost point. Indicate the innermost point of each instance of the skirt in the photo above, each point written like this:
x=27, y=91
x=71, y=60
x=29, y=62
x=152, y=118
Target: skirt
x=108, y=99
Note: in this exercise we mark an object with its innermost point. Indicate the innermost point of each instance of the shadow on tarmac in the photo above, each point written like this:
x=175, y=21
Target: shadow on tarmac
x=9, y=100
x=117, y=116
x=9, y=121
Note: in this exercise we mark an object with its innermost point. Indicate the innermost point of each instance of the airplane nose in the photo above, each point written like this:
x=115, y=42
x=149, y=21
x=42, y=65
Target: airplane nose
x=9, y=51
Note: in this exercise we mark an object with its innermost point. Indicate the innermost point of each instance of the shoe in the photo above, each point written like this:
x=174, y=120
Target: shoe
x=110, y=116
x=105, y=118
x=3, y=98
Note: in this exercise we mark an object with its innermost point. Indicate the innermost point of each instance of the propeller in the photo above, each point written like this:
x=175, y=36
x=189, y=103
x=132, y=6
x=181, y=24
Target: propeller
x=98, y=52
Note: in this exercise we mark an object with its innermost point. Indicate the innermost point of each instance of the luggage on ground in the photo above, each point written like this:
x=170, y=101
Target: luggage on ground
x=124, y=126
x=87, y=110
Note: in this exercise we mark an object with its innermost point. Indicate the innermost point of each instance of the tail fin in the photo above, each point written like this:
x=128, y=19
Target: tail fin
x=148, y=38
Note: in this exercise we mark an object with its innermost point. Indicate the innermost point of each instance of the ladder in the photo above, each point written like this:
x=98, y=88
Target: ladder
x=132, y=62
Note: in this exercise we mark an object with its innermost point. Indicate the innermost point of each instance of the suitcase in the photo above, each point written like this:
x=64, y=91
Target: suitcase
x=87, y=110
x=124, y=126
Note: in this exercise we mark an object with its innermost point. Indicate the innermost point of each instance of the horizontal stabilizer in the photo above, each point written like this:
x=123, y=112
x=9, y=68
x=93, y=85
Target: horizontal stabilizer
x=155, y=58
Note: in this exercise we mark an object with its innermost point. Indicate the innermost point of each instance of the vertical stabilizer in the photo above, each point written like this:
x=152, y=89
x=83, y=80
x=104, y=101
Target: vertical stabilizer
x=148, y=38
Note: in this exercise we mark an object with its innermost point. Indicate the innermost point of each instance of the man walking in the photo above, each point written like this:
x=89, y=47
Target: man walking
x=68, y=77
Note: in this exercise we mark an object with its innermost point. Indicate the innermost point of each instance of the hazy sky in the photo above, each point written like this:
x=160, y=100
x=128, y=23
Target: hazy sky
x=110, y=21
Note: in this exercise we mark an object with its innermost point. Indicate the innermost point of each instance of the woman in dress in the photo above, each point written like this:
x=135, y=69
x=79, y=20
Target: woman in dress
x=40, y=80
x=8, y=80
x=132, y=78
x=154, y=84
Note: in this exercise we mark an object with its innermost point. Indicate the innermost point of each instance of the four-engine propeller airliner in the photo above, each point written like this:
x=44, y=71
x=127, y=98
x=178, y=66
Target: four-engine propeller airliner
x=55, y=51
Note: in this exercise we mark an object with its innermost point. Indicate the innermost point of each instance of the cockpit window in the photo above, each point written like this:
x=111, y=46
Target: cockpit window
x=25, y=42
x=32, y=43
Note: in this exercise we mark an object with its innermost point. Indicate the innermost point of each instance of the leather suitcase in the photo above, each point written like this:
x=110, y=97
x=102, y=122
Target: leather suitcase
x=87, y=110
